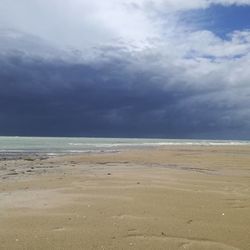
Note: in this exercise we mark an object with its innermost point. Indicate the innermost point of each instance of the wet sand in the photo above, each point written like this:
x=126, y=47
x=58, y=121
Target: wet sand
x=159, y=198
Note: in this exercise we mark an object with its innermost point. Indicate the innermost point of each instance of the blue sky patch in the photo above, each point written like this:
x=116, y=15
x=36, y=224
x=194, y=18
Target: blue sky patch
x=221, y=20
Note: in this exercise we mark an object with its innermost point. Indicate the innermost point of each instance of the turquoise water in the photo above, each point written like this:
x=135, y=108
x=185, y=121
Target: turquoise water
x=51, y=145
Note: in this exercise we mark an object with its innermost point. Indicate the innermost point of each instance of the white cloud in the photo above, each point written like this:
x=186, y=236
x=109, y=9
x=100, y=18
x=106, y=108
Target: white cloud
x=83, y=23
x=197, y=58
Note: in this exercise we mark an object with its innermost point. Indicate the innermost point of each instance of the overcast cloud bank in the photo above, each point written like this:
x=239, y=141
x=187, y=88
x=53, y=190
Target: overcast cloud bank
x=121, y=69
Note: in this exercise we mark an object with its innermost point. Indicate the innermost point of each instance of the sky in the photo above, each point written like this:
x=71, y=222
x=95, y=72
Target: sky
x=125, y=68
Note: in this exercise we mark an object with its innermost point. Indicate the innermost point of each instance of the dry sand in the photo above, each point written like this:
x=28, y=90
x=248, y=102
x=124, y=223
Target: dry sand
x=160, y=198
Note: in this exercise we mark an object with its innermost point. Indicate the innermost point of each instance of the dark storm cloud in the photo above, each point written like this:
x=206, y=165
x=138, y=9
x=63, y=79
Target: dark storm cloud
x=113, y=68
x=109, y=98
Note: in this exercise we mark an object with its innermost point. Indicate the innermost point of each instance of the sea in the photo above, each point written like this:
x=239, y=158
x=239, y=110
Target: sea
x=69, y=145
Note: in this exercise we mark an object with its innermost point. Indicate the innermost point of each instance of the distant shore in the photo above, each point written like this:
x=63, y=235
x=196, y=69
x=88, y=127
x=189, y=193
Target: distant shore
x=168, y=197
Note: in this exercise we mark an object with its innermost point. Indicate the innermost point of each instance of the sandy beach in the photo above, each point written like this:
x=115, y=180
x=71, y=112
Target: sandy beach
x=175, y=197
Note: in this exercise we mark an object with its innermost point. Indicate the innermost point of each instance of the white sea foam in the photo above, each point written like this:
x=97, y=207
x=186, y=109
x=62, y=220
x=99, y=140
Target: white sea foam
x=88, y=145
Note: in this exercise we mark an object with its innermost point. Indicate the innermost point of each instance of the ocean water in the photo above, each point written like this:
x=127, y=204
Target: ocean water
x=65, y=145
